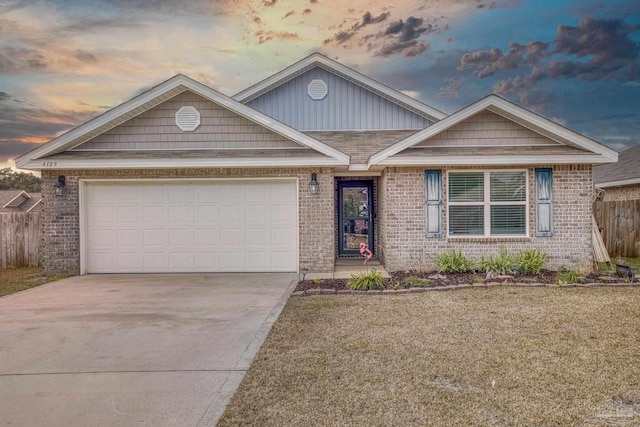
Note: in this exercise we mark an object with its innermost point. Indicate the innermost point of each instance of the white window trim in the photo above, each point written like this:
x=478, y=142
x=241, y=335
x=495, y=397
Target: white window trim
x=487, y=205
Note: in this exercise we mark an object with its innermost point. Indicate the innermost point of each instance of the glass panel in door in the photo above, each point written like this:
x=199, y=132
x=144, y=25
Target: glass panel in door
x=355, y=216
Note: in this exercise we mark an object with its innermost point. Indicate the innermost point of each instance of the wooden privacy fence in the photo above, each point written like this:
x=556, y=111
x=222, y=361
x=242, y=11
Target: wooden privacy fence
x=620, y=224
x=20, y=239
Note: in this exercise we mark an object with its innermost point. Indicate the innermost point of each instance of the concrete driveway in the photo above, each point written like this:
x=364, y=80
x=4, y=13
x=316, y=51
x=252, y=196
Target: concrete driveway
x=123, y=350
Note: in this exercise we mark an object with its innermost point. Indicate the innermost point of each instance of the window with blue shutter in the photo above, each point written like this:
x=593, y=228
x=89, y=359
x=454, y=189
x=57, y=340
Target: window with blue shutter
x=433, y=188
x=544, y=202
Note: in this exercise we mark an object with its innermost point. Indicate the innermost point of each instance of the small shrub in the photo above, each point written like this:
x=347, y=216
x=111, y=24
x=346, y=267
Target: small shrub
x=568, y=277
x=530, y=261
x=453, y=262
x=417, y=282
x=366, y=281
x=501, y=263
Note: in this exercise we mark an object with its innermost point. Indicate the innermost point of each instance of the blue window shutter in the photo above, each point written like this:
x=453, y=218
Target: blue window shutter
x=433, y=189
x=544, y=202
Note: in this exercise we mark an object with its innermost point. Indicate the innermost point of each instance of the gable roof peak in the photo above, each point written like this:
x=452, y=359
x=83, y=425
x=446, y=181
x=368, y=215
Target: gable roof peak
x=320, y=60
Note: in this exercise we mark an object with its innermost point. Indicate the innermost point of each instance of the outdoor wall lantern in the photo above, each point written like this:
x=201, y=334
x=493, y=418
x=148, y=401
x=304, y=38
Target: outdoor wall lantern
x=314, y=187
x=59, y=186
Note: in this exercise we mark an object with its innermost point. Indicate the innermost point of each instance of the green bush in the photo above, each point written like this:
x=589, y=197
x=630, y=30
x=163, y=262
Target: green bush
x=417, y=282
x=568, y=277
x=366, y=281
x=453, y=262
x=501, y=263
x=530, y=261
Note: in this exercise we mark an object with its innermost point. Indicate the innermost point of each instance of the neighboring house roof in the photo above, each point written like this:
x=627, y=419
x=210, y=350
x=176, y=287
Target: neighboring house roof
x=151, y=98
x=625, y=172
x=19, y=201
x=580, y=148
x=319, y=60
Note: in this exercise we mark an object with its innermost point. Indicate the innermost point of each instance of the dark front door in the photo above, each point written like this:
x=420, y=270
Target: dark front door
x=355, y=216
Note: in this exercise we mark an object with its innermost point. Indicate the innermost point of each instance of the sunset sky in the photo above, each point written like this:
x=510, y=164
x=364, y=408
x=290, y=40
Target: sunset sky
x=574, y=61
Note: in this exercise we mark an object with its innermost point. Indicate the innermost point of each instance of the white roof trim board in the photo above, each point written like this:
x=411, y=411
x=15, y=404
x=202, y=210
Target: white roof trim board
x=498, y=105
x=179, y=163
x=34, y=205
x=75, y=136
x=619, y=183
x=292, y=71
x=20, y=194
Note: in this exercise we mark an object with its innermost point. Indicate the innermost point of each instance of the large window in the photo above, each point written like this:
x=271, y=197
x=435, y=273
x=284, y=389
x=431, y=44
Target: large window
x=487, y=203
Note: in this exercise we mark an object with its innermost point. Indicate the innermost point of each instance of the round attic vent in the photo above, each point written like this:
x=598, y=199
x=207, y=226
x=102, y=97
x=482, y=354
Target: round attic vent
x=187, y=118
x=317, y=89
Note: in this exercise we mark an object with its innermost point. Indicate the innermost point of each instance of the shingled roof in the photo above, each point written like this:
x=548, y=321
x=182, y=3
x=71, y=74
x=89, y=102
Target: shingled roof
x=625, y=172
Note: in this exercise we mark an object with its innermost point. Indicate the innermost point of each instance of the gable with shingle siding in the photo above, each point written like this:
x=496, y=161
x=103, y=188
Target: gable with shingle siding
x=219, y=128
x=487, y=129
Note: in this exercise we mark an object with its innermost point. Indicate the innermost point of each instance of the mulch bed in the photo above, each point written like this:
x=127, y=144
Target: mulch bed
x=398, y=280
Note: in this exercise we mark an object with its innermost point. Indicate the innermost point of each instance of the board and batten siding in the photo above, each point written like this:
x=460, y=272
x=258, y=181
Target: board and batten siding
x=487, y=128
x=347, y=106
x=219, y=128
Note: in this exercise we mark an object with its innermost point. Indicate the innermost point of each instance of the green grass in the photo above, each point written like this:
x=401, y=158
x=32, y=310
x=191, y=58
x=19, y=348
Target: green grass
x=489, y=357
x=16, y=279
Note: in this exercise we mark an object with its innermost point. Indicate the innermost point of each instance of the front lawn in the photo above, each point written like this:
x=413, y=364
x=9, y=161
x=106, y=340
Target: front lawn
x=502, y=356
x=15, y=279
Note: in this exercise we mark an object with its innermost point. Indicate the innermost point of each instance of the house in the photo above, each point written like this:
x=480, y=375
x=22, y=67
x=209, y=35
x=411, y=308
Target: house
x=618, y=210
x=299, y=169
x=19, y=201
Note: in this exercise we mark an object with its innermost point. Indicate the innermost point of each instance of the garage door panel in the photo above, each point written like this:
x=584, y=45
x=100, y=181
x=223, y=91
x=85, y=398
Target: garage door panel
x=181, y=261
x=282, y=214
x=152, y=194
x=180, y=214
x=205, y=214
x=230, y=237
x=205, y=261
x=281, y=236
x=128, y=193
x=128, y=215
x=153, y=215
x=102, y=215
x=129, y=261
x=180, y=237
x=154, y=261
x=231, y=261
x=257, y=237
x=206, y=238
x=231, y=214
x=256, y=214
x=129, y=237
x=154, y=237
x=102, y=261
x=202, y=226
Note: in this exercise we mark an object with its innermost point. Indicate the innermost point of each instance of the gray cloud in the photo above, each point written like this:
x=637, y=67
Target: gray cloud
x=402, y=37
x=594, y=50
x=11, y=150
x=84, y=56
x=266, y=36
x=486, y=63
x=367, y=19
x=21, y=124
x=601, y=39
x=21, y=60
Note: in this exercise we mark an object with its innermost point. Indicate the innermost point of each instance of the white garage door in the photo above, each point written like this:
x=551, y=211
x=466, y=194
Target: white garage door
x=195, y=226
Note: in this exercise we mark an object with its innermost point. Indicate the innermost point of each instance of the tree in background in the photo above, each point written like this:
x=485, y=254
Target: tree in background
x=10, y=180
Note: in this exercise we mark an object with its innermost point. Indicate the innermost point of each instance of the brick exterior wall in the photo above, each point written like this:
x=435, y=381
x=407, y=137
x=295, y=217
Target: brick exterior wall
x=627, y=192
x=61, y=219
x=402, y=238
x=400, y=232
